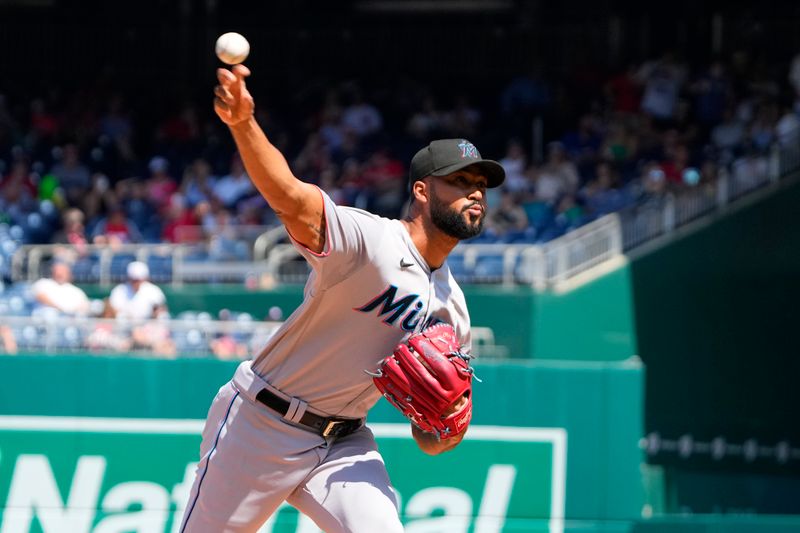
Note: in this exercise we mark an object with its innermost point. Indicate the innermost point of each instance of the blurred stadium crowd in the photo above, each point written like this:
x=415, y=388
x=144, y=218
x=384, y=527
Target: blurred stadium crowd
x=79, y=168
x=54, y=315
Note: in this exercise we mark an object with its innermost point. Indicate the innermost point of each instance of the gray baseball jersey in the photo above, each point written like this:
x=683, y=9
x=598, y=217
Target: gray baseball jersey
x=369, y=289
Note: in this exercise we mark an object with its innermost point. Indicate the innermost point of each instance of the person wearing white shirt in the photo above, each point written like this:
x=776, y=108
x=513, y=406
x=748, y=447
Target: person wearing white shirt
x=59, y=293
x=138, y=299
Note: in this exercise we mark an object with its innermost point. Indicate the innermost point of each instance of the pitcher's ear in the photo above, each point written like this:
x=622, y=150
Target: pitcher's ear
x=419, y=190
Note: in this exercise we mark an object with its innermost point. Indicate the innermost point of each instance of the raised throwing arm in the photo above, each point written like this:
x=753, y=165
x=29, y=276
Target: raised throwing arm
x=299, y=205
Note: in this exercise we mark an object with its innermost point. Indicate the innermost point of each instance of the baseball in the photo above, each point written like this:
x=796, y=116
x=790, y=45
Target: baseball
x=232, y=48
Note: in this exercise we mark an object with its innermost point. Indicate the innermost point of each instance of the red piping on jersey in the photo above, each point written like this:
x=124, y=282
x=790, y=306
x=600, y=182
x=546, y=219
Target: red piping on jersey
x=327, y=233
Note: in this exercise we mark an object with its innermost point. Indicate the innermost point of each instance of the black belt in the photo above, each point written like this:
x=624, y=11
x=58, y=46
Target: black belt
x=330, y=426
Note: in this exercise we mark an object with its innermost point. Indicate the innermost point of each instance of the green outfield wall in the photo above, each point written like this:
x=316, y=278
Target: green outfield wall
x=593, y=321
x=106, y=445
x=716, y=315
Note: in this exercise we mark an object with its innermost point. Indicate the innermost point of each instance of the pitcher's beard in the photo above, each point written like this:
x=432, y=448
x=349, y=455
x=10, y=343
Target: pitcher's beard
x=453, y=223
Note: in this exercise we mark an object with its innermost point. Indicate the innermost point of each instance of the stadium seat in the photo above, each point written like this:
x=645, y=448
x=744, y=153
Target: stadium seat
x=119, y=265
x=489, y=269
x=160, y=268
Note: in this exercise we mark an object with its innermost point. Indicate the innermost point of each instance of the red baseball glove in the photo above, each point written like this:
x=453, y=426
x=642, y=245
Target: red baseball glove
x=426, y=377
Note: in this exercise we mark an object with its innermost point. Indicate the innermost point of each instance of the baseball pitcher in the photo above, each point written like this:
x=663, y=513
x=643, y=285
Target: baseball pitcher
x=382, y=316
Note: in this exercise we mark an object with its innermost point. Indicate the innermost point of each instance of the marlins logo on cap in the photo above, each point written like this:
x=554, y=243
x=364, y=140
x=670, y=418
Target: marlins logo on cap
x=468, y=149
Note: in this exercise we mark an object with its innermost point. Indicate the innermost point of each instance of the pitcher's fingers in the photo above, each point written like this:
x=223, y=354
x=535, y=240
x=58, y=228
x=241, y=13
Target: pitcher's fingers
x=225, y=77
x=241, y=71
x=223, y=94
x=219, y=105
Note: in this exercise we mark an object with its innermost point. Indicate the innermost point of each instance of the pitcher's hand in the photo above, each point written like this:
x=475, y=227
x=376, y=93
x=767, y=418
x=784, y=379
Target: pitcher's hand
x=233, y=102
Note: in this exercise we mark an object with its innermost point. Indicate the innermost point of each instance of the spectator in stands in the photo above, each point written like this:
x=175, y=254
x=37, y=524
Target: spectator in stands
x=181, y=224
x=623, y=91
x=7, y=341
x=160, y=186
x=17, y=188
x=107, y=335
x=525, y=96
x=662, y=80
x=361, y=117
x=427, y=122
x=514, y=163
x=620, y=145
x=787, y=130
x=653, y=185
x=116, y=228
x=749, y=169
x=676, y=164
x=198, y=182
x=385, y=176
x=227, y=344
x=569, y=213
x=728, y=135
x=712, y=94
x=235, y=186
x=73, y=231
x=709, y=173
x=508, y=220
x=583, y=143
x=141, y=212
x=558, y=176
x=138, y=300
x=463, y=119
x=350, y=150
x=224, y=245
x=601, y=195
x=313, y=158
x=72, y=175
x=330, y=183
x=96, y=197
x=180, y=128
x=761, y=131
x=330, y=117
x=57, y=292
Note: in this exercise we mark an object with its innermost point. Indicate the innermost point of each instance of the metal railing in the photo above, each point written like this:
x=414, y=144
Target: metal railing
x=661, y=215
x=542, y=265
x=267, y=240
x=572, y=254
x=200, y=336
x=29, y=261
x=169, y=263
x=188, y=263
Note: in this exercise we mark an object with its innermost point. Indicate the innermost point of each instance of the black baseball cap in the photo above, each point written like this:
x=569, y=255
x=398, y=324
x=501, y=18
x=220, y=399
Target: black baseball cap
x=445, y=156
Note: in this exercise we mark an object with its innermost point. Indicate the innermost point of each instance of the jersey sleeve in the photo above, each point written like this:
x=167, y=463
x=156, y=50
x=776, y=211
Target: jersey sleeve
x=350, y=235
